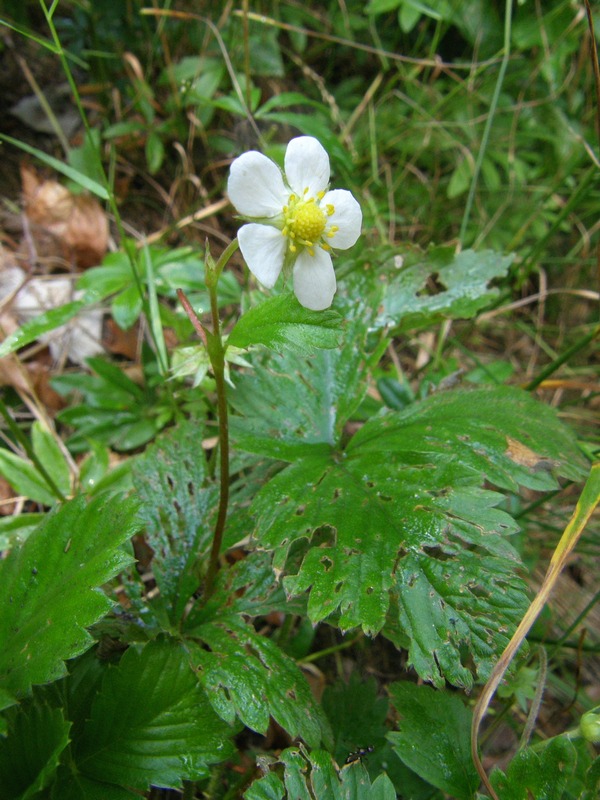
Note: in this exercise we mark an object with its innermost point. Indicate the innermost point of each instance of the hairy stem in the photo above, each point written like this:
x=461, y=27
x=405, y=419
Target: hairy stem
x=218, y=365
x=216, y=352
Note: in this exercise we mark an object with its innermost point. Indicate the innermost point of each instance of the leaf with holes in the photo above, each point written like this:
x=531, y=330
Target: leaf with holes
x=312, y=775
x=292, y=405
x=177, y=510
x=441, y=284
x=247, y=676
x=394, y=532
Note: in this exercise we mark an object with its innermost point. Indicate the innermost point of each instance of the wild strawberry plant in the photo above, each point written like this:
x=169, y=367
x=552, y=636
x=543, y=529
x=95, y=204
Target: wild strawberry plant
x=159, y=619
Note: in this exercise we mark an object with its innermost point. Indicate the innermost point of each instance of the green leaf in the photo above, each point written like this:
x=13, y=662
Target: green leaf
x=440, y=285
x=127, y=307
x=151, y=723
x=461, y=178
x=294, y=407
x=51, y=457
x=25, y=479
x=545, y=773
x=30, y=755
x=357, y=715
x=15, y=528
x=40, y=324
x=155, y=152
x=78, y=177
x=434, y=738
x=77, y=787
x=42, y=624
x=280, y=322
x=177, y=511
x=248, y=676
x=397, y=524
x=316, y=775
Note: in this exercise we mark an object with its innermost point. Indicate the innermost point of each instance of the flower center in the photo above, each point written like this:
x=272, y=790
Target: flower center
x=309, y=222
x=304, y=222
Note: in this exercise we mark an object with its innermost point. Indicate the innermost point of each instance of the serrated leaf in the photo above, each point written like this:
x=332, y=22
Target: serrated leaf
x=79, y=547
x=544, y=774
x=399, y=516
x=248, y=676
x=151, y=723
x=440, y=285
x=434, y=738
x=30, y=755
x=357, y=715
x=177, y=510
x=281, y=322
x=307, y=776
x=292, y=407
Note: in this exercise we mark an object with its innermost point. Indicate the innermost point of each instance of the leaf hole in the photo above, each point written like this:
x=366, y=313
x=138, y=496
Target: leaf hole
x=327, y=563
x=433, y=286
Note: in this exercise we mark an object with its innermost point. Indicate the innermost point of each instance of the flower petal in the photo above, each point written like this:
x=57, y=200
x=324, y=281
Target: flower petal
x=306, y=166
x=263, y=248
x=255, y=186
x=347, y=217
x=314, y=280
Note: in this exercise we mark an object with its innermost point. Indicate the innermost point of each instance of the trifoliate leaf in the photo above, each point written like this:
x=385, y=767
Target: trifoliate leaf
x=247, y=676
x=280, y=322
x=434, y=738
x=29, y=756
x=399, y=517
x=177, y=510
x=151, y=723
x=49, y=588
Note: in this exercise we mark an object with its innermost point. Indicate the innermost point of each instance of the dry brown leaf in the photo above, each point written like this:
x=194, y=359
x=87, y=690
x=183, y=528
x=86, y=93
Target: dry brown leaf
x=525, y=456
x=77, y=223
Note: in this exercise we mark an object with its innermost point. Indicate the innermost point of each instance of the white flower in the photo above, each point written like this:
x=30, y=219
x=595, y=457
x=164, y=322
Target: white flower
x=296, y=221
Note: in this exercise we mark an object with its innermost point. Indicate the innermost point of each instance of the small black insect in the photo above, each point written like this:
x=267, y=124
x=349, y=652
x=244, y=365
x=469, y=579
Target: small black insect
x=359, y=753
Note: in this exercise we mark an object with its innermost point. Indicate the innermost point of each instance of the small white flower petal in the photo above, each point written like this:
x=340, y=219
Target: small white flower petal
x=314, y=280
x=263, y=248
x=306, y=166
x=255, y=186
x=347, y=217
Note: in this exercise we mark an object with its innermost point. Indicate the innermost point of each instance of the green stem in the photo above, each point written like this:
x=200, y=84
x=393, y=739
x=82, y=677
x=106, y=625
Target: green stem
x=328, y=651
x=216, y=352
x=217, y=358
x=489, y=121
x=545, y=373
